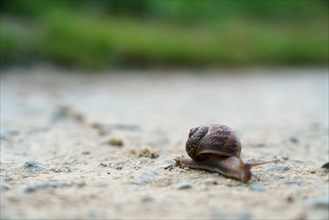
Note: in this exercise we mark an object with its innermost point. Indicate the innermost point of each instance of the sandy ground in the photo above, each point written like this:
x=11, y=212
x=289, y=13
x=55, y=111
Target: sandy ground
x=91, y=146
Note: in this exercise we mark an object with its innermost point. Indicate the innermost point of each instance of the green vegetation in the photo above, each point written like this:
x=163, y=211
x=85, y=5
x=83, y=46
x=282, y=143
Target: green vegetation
x=102, y=34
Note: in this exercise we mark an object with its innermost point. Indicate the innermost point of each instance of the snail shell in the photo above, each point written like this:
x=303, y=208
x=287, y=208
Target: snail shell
x=216, y=139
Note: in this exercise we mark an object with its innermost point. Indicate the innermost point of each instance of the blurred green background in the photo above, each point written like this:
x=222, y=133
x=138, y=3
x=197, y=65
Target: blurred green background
x=99, y=34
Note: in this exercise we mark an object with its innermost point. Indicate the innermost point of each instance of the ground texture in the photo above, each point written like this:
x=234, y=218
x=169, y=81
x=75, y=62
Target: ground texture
x=103, y=145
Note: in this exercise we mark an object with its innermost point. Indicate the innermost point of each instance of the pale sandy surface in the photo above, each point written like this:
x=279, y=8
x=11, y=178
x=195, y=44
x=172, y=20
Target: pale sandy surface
x=278, y=113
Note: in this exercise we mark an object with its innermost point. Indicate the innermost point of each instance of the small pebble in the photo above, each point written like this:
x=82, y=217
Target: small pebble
x=3, y=137
x=147, y=198
x=78, y=116
x=146, y=176
x=260, y=145
x=34, y=165
x=80, y=184
x=35, y=187
x=96, y=125
x=167, y=166
x=257, y=188
x=294, y=140
x=285, y=157
x=292, y=182
x=145, y=153
x=312, y=171
x=86, y=152
x=100, y=128
x=118, y=166
x=4, y=188
x=125, y=127
x=183, y=185
x=8, y=179
x=299, y=161
x=115, y=142
x=62, y=112
x=55, y=169
x=290, y=199
x=103, y=164
x=65, y=112
x=278, y=176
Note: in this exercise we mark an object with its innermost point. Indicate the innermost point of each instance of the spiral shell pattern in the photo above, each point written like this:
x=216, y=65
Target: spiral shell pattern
x=214, y=138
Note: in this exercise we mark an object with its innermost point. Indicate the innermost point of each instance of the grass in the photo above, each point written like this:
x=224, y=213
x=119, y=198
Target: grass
x=85, y=40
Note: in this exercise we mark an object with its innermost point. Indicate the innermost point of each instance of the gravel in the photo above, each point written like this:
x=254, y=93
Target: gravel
x=278, y=168
x=34, y=165
x=147, y=198
x=183, y=185
x=36, y=187
x=147, y=175
x=266, y=107
x=4, y=188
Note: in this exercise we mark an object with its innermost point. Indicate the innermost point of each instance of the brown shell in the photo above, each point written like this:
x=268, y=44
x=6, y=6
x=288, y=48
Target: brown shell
x=215, y=139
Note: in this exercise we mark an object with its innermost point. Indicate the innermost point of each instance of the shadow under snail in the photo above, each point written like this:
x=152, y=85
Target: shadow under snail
x=217, y=148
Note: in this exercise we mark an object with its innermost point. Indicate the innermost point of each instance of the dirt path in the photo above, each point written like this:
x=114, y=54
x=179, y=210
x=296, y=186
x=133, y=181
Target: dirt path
x=77, y=145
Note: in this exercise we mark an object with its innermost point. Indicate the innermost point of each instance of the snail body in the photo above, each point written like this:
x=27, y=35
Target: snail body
x=217, y=148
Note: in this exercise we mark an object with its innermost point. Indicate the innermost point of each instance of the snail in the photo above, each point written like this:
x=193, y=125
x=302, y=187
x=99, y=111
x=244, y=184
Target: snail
x=217, y=148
